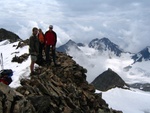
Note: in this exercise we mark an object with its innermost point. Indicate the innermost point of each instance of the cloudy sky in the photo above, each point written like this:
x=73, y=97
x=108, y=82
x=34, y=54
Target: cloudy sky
x=124, y=22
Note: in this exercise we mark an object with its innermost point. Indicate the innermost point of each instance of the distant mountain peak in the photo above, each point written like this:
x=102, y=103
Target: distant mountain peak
x=105, y=39
x=70, y=41
x=142, y=55
x=66, y=47
x=105, y=44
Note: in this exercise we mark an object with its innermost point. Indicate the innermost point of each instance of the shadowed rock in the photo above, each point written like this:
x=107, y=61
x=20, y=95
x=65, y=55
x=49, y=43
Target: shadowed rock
x=8, y=35
x=107, y=80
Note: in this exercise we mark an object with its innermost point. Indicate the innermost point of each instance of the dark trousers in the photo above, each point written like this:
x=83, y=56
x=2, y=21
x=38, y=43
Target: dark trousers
x=48, y=60
x=41, y=48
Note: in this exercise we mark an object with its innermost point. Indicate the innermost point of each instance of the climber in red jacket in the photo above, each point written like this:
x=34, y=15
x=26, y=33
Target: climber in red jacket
x=50, y=42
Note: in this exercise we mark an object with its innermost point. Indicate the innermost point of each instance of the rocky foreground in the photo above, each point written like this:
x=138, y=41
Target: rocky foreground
x=61, y=89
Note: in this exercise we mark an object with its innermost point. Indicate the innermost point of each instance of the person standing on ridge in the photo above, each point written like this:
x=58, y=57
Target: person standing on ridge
x=41, y=46
x=50, y=42
x=33, y=48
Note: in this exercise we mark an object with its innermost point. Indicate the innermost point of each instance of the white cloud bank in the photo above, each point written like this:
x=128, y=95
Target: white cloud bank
x=97, y=62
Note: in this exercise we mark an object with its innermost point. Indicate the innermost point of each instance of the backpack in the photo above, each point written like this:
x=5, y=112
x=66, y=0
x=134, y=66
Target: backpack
x=5, y=76
x=41, y=37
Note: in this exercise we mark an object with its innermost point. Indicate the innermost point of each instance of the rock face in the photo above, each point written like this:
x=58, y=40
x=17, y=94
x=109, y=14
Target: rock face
x=61, y=89
x=107, y=80
x=21, y=58
x=7, y=35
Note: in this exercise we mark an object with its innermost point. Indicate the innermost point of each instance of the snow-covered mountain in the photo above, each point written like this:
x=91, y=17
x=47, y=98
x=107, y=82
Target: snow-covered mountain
x=70, y=44
x=105, y=44
x=143, y=55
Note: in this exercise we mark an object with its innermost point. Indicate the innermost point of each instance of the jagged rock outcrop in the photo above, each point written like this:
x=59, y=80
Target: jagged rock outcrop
x=12, y=101
x=21, y=58
x=107, y=80
x=61, y=89
x=8, y=35
x=22, y=43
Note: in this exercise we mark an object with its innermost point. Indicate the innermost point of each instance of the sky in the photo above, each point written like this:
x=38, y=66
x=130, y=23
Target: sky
x=124, y=22
x=128, y=101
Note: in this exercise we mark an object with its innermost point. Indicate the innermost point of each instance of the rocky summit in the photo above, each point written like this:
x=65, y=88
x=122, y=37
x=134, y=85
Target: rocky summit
x=54, y=89
x=109, y=79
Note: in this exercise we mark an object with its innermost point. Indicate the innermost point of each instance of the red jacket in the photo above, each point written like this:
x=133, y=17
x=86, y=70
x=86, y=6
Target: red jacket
x=50, y=38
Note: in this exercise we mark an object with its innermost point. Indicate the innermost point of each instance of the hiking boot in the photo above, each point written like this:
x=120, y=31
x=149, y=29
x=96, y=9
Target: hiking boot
x=48, y=64
x=33, y=73
x=56, y=65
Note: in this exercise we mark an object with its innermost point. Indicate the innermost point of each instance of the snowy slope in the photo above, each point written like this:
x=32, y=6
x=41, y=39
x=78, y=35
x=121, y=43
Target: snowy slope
x=19, y=70
x=129, y=101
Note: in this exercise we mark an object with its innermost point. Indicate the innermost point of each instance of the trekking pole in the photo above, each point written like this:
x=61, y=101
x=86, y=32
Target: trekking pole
x=2, y=66
x=1, y=61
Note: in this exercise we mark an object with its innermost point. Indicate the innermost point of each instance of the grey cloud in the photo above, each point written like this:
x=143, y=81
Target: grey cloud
x=125, y=22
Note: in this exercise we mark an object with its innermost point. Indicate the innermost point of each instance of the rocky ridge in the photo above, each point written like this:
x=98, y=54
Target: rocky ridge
x=8, y=35
x=61, y=89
